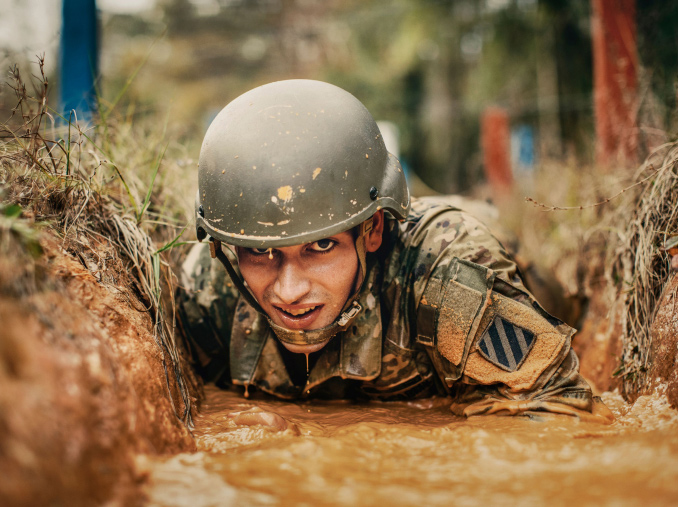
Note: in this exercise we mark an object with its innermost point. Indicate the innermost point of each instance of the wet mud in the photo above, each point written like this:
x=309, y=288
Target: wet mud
x=417, y=453
x=83, y=388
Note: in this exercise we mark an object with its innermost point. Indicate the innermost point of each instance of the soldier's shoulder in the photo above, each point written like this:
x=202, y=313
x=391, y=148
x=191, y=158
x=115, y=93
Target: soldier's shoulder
x=440, y=220
x=204, y=277
x=436, y=233
x=197, y=263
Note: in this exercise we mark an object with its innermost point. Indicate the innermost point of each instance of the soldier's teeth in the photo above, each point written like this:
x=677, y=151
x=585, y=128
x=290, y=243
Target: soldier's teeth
x=301, y=311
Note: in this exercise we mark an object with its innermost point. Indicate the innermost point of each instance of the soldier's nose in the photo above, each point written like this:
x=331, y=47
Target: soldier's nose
x=291, y=285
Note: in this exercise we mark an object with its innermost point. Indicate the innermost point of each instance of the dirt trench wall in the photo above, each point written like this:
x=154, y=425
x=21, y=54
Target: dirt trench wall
x=599, y=345
x=83, y=385
x=663, y=372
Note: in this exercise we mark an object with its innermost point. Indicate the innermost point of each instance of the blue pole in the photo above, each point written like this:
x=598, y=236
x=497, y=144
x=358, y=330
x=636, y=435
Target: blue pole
x=79, y=57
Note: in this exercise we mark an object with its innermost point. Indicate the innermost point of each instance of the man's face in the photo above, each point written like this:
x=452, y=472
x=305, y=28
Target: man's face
x=302, y=286
x=306, y=286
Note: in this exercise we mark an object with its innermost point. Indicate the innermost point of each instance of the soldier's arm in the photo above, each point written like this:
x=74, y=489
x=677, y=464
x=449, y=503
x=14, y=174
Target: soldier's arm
x=205, y=307
x=494, y=348
x=521, y=360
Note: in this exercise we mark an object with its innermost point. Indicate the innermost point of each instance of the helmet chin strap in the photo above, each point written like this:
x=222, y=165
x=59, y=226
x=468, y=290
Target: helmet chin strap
x=365, y=229
x=297, y=336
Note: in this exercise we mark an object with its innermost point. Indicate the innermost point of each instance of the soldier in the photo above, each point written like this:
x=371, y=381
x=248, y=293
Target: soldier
x=337, y=284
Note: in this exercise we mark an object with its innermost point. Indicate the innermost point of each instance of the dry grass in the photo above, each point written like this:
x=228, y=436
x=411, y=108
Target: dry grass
x=638, y=266
x=58, y=174
x=563, y=218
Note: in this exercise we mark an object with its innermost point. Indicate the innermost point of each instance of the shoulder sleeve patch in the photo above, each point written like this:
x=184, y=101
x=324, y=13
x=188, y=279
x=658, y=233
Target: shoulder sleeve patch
x=515, y=347
x=505, y=345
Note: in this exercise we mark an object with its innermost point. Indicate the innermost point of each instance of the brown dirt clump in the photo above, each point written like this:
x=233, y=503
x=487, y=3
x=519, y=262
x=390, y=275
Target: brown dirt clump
x=663, y=370
x=84, y=385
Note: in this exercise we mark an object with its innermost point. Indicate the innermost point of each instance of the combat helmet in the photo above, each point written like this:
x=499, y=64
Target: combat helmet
x=293, y=162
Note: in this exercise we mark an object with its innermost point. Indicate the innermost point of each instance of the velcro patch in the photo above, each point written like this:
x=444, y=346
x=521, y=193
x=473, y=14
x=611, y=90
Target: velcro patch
x=505, y=345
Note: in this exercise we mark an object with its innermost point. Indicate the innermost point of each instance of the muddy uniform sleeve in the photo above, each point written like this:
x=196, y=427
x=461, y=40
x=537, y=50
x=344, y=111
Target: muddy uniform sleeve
x=494, y=348
x=206, y=306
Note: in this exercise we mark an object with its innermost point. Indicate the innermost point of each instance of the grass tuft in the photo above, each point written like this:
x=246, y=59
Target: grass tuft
x=639, y=265
x=91, y=183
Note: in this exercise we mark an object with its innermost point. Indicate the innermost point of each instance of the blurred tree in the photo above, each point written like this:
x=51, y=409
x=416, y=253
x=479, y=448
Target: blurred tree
x=567, y=23
x=658, y=50
x=178, y=15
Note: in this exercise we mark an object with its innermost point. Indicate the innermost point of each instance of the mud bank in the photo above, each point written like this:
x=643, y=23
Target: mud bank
x=599, y=345
x=83, y=380
x=664, y=332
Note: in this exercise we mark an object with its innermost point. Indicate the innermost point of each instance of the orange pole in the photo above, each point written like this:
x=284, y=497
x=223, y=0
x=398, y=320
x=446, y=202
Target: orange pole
x=615, y=67
x=495, y=140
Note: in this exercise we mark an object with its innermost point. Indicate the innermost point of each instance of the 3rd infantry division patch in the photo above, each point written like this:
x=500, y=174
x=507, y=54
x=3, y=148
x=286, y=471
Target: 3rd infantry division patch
x=505, y=344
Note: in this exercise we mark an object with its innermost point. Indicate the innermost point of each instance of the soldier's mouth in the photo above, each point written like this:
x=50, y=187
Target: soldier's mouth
x=300, y=311
x=298, y=317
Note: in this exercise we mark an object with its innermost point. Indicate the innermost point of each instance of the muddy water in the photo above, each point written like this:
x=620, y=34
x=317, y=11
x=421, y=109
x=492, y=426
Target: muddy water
x=338, y=453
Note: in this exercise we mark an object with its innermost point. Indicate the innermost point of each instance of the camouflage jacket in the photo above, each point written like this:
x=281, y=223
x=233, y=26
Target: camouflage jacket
x=445, y=312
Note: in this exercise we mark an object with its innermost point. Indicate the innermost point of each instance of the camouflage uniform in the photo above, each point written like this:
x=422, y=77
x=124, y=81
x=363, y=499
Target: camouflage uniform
x=445, y=312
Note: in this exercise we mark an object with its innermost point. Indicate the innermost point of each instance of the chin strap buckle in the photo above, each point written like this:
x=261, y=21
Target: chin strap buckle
x=214, y=244
x=349, y=314
x=366, y=227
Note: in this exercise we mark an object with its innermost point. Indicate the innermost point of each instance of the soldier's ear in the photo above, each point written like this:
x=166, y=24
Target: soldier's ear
x=373, y=239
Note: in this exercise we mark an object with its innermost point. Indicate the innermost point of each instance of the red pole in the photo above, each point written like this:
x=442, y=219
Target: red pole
x=495, y=140
x=615, y=67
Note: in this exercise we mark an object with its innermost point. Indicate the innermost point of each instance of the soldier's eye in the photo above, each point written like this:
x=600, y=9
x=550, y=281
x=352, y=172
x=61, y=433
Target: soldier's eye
x=323, y=245
x=260, y=251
